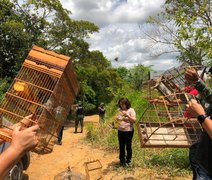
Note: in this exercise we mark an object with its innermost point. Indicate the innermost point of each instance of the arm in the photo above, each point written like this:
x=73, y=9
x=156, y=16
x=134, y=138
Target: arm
x=193, y=78
x=130, y=116
x=22, y=141
x=197, y=109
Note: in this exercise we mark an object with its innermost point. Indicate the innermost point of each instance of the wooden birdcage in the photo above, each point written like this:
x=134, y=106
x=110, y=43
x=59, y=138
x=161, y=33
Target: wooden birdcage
x=42, y=92
x=93, y=170
x=166, y=123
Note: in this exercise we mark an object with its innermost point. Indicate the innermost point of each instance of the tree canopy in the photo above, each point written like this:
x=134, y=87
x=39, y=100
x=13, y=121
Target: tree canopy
x=185, y=27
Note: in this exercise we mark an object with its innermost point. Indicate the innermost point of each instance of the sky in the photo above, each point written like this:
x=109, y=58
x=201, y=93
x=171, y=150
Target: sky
x=121, y=23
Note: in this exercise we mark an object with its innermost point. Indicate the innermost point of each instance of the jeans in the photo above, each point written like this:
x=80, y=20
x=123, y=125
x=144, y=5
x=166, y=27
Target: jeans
x=201, y=175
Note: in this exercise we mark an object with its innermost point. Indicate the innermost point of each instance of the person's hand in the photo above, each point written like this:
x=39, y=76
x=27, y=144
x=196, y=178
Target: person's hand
x=24, y=140
x=24, y=123
x=195, y=108
x=124, y=113
x=191, y=75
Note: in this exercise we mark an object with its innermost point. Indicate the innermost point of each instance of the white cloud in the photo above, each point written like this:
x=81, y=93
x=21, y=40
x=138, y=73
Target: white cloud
x=119, y=34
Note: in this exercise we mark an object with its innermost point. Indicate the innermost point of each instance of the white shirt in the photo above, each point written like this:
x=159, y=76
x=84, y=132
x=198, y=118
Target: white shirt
x=125, y=124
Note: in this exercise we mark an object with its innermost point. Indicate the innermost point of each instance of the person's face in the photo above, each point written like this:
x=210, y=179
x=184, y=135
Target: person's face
x=123, y=105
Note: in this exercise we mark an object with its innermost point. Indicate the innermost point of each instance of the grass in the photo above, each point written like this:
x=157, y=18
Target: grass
x=169, y=161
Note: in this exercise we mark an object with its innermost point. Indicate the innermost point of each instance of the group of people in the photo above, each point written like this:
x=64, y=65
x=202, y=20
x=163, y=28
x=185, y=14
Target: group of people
x=24, y=139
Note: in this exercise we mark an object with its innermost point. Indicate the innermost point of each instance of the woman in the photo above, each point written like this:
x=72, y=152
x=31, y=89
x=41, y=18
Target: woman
x=127, y=117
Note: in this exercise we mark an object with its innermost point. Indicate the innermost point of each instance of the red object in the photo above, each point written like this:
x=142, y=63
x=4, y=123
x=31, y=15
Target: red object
x=191, y=90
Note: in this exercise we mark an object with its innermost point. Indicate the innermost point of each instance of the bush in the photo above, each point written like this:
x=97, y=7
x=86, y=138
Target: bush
x=4, y=85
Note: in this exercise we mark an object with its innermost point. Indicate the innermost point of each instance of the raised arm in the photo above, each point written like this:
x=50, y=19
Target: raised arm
x=193, y=78
x=196, y=109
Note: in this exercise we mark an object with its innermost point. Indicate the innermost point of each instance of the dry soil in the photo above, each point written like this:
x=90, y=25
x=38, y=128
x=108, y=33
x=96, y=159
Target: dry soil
x=74, y=152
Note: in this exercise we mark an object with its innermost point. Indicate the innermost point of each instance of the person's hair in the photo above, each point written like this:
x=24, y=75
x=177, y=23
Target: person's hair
x=125, y=101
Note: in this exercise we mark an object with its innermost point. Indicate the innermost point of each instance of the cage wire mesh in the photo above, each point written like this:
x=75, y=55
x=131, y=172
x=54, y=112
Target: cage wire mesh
x=42, y=92
x=166, y=123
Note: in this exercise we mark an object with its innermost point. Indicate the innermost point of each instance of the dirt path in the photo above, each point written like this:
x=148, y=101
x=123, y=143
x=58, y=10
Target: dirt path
x=74, y=152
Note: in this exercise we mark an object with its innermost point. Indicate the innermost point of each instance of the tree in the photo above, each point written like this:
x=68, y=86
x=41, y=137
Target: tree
x=194, y=32
x=187, y=26
x=138, y=74
x=99, y=81
x=45, y=23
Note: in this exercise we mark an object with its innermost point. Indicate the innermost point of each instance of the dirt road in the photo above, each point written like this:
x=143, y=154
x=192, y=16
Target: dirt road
x=74, y=152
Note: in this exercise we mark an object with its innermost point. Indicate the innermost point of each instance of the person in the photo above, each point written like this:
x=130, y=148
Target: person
x=23, y=140
x=79, y=117
x=210, y=71
x=200, y=152
x=59, y=111
x=102, y=111
x=60, y=136
x=127, y=118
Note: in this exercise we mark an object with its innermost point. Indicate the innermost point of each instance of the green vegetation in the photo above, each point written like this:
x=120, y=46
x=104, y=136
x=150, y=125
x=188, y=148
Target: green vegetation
x=172, y=162
x=47, y=24
x=184, y=27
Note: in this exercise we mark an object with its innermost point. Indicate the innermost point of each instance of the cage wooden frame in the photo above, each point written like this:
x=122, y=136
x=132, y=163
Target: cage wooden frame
x=42, y=92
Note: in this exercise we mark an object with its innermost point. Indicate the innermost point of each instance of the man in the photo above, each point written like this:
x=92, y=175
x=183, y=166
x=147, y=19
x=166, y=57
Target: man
x=79, y=117
x=101, y=110
x=202, y=154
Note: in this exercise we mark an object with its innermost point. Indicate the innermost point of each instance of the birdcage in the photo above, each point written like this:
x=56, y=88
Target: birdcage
x=93, y=170
x=167, y=123
x=171, y=81
x=42, y=92
x=69, y=174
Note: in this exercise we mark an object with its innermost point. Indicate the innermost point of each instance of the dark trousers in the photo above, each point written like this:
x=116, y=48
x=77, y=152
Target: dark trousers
x=60, y=134
x=125, y=141
x=78, y=120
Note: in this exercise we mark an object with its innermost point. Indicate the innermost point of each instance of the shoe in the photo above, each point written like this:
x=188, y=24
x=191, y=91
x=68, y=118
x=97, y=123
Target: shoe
x=59, y=142
x=128, y=161
x=75, y=132
x=82, y=131
x=121, y=164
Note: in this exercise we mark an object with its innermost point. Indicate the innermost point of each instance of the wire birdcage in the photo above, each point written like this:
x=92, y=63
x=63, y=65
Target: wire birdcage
x=42, y=92
x=69, y=174
x=166, y=122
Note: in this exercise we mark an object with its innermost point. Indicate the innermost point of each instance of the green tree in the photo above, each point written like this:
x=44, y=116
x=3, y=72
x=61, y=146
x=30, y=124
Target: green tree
x=138, y=74
x=185, y=27
x=99, y=81
x=123, y=72
x=45, y=23
x=194, y=32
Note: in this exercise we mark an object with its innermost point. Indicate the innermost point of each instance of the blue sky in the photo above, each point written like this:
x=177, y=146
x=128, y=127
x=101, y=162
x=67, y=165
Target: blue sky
x=121, y=23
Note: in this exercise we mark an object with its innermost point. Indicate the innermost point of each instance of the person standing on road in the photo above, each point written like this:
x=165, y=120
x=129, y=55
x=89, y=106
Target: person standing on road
x=101, y=110
x=127, y=118
x=79, y=117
